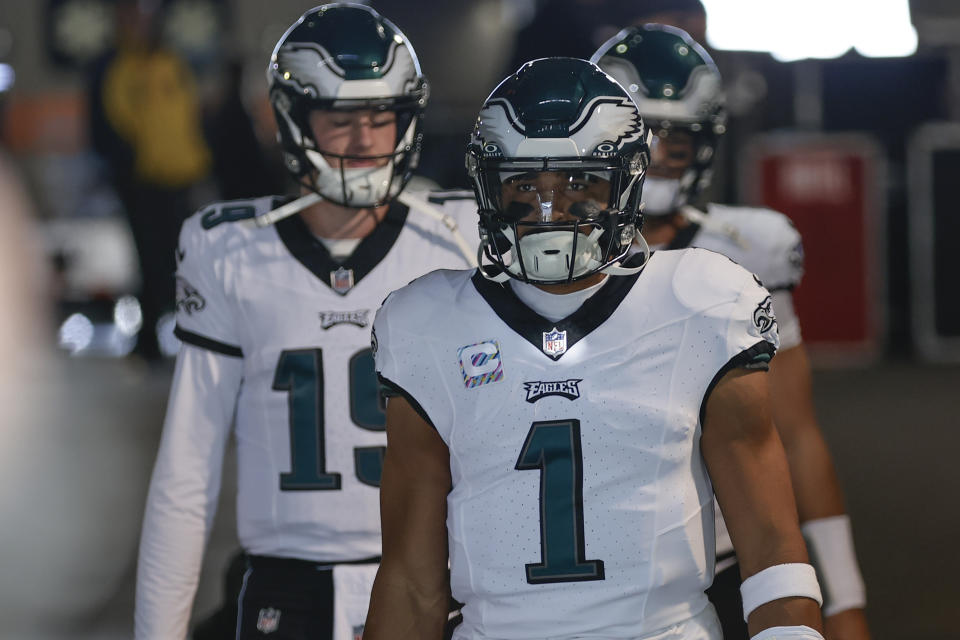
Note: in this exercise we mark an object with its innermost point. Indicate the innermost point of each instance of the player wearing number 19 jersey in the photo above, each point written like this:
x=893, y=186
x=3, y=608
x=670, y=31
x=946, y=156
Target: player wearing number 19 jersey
x=269, y=339
x=275, y=322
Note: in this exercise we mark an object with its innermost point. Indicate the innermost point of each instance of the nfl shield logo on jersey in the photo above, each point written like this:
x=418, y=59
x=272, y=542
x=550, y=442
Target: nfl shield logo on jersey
x=269, y=620
x=341, y=280
x=358, y=632
x=554, y=342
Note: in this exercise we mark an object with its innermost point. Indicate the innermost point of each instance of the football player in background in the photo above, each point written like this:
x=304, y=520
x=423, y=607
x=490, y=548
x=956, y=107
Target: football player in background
x=677, y=88
x=274, y=312
x=553, y=418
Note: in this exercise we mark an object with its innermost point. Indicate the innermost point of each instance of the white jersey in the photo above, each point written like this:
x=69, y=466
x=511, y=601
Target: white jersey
x=278, y=333
x=762, y=241
x=580, y=506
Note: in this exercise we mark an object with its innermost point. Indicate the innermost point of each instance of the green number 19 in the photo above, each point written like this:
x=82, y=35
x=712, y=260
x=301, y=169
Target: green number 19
x=300, y=374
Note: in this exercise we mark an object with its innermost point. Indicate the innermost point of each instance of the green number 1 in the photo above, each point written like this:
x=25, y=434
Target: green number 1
x=553, y=447
x=300, y=374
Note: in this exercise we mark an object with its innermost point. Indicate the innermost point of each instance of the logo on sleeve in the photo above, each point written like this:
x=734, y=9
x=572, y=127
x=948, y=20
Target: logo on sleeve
x=189, y=299
x=569, y=389
x=481, y=363
x=763, y=316
x=333, y=318
x=554, y=342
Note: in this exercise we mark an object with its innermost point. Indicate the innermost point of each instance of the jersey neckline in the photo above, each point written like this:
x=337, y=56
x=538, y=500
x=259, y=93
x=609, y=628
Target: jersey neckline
x=531, y=326
x=311, y=253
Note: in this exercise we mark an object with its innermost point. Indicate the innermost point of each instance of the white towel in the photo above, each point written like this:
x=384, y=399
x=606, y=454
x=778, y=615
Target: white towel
x=352, y=584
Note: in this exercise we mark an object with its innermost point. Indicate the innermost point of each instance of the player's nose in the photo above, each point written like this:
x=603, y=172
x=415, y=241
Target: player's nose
x=361, y=134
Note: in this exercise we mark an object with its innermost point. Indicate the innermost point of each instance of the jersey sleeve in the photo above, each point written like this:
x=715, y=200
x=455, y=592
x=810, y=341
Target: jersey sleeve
x=762, y=240
x=733, y=324
x=748, y=332
x=752, y=337
x=405, y=361
x=204, y=315
x=788, y=324
x=184, y=487
x=784, y=248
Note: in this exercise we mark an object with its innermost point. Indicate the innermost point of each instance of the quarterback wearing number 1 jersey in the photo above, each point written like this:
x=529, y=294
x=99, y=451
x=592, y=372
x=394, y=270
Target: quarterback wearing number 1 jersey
x=574, y=444
x=560, y=421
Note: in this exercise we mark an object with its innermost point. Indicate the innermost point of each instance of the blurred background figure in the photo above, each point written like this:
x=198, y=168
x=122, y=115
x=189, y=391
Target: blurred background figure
x=677, y=86
x=145, y=121
x=242, y=167
x=25, y=318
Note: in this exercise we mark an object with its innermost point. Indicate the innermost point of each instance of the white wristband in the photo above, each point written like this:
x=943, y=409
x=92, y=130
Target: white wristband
x=793, y=580
x=830, y=544
x=788, y=633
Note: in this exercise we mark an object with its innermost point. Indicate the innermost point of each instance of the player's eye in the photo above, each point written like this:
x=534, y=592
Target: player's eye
x=522, y=183
x=383, y=122
x=580, y=182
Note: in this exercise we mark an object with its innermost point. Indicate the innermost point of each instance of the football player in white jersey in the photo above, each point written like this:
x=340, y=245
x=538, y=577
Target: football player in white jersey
x=275, y=323
x=554, y=417
x=677, y=88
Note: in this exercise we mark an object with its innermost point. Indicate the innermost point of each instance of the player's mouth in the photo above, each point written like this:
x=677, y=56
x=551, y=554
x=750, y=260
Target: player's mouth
x=358, y=163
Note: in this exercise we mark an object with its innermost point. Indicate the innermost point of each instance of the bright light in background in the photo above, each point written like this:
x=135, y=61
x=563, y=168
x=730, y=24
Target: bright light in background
x=76, y=333
x=798, y=29
x=127, y=315
x=7, y=77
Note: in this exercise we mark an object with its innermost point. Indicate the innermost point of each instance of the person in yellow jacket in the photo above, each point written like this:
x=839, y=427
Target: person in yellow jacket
x=146, y=123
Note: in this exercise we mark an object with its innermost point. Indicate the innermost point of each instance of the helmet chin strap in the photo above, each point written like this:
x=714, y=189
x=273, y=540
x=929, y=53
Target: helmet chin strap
x=284, y=211
x=499, y=278
x=616, y=270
